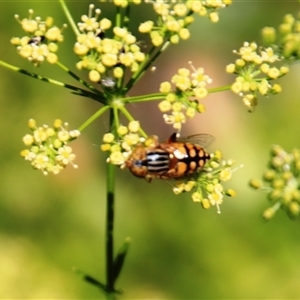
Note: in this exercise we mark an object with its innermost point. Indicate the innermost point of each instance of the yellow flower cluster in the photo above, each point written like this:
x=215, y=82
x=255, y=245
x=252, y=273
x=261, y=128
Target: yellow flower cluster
x=48, y=147
x=41, y=42
x=120, y=147
x=281, y=182
x=287, y=39
x=208, y=183
x=102, y=56
x=123, y=3
x=176, y=16
x=182, y=99
x=255, y=69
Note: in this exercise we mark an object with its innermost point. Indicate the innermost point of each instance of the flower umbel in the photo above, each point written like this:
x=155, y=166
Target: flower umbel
x=285, y=40
x=207, y=186
x=106, y=55
x=48, y=147
x=41, y=40
x=175, y=17
x=256, y=69
x=121, y=145
x=182, y=100
x=281, y=181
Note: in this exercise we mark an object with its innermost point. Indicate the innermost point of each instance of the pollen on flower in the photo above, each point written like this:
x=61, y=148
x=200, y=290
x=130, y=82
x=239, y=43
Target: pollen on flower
x=48, y=147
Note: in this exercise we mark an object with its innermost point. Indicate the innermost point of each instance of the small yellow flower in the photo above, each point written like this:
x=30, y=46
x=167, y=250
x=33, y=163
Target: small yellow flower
x=180, y=9
x=190, y=112
x=63, y=135
x=117, y=158
x=205, y=203
x=197, y=197
x=230, y=68
x=200, y=92
x=108, y=138
x=94, y=76
x=157, y=40
x=276, y=88
x=225, y=174
x=165, y=87
x=214, y=17
x=184, y=33
x=231, y=193
x=28, y=139
x=105, y=24
x=164, y=106
x=105, y=147
x=146, y=26
x=177, y=106
x=174, y=39
x=122, y=130
x=274, y=73
x=65, y=155
x=189, y=185
x=134, y=126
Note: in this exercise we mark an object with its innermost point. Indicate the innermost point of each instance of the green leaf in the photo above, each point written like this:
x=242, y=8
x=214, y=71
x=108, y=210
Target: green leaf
x=120, y=258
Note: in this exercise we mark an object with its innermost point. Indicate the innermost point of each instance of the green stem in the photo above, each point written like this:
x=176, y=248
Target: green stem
x=145, y=98
x=76, y=90
x=144, y=66
x=127, y=114
x=219, y=89
x=95, y=116
x=110, y=197
x=118, y=18
x=72, y=74
x=69, y=17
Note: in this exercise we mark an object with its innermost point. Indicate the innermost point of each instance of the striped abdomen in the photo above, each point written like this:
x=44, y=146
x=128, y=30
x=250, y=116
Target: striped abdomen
x=186, y=159
x=171, y=159
x=168, y=161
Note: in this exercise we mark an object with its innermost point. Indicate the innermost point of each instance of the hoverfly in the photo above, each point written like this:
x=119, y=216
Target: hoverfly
x=172, y=159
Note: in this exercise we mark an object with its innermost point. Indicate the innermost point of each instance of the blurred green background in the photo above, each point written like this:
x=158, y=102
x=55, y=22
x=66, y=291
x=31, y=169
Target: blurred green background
x=49, y=224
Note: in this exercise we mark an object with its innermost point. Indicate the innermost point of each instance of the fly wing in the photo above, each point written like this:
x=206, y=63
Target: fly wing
x=201, y=139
